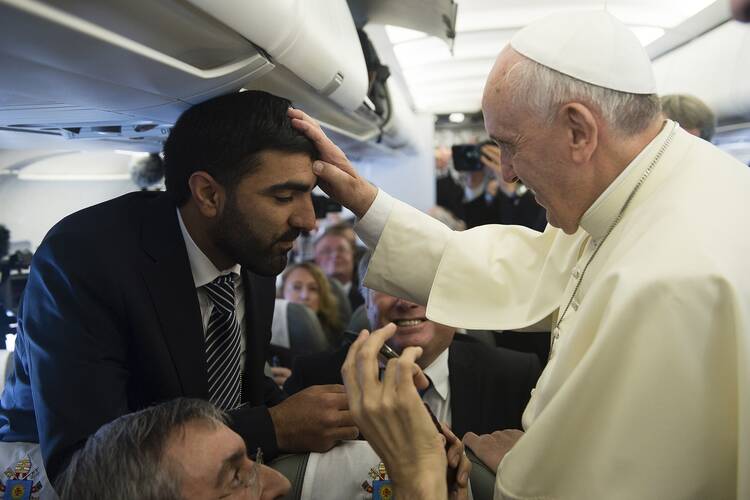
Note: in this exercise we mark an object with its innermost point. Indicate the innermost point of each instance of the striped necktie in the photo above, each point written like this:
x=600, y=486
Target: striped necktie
x=223, y=345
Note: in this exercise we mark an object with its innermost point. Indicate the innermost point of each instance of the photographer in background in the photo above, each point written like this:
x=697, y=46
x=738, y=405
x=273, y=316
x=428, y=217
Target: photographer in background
x=488, y=199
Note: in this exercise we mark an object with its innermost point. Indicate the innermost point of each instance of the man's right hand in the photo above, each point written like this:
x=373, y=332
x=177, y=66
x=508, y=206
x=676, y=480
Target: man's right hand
x=337, y=177
x=314, y=419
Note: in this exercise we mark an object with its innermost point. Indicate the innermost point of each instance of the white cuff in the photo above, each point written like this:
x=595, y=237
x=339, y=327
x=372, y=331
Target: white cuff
x=370, y=227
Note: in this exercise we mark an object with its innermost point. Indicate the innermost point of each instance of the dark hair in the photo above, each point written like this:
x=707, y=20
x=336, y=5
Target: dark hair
x=124, y=459
x=223, y=136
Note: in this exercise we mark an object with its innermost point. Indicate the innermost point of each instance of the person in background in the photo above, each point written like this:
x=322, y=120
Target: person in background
x=492, y=200
x=178, y=450
x=474, y=388
x=741, y=10
x=334, y=253
x=306, y=284
x=691, y=113
x=448, y=191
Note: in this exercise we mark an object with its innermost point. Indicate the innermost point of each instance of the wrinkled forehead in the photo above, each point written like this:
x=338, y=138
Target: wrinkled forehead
x=494, y=87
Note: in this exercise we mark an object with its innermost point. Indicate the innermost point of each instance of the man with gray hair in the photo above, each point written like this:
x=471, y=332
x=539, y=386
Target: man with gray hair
x=647, y=390
x=691, y=113
x=176, y=450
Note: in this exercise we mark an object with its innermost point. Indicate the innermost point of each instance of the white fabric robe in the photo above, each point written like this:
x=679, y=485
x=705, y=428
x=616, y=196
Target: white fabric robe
x=647, y=391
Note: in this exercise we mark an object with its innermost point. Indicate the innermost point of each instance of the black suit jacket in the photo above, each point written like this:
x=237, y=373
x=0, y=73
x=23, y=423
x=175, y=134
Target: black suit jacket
x=110, y=323
x=489, y=386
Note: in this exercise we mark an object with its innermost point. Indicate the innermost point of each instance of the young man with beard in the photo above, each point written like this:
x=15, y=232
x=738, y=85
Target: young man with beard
x=153, y=296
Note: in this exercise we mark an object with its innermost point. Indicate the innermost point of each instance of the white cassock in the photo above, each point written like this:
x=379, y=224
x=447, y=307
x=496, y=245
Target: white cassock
x=647, y=391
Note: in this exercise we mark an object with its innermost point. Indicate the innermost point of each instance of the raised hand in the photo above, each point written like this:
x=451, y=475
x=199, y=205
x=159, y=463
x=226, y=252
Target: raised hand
x=393, y=418
x=336, y=176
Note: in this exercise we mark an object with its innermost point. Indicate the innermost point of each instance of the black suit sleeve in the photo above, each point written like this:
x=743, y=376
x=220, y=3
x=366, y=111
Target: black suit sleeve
x=70, y=324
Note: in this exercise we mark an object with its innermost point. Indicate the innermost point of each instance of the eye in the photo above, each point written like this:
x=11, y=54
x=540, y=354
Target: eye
x=283, y=199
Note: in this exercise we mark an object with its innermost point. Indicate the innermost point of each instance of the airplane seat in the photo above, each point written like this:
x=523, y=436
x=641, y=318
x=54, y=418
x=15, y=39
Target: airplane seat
x=345, y=308
x=296, y=329
x=293, y=467
x=359, y=320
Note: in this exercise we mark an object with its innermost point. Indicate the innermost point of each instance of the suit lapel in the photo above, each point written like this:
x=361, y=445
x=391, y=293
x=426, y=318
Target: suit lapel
x=170, y=283
x=259, y=304
x=466, y=391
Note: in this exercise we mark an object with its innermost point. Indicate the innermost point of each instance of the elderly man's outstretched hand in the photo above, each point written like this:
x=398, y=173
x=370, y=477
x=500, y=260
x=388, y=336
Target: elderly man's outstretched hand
x=337, y=177
x=392, y=417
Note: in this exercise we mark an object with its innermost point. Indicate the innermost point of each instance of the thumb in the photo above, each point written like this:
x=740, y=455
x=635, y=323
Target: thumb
x=342, y=184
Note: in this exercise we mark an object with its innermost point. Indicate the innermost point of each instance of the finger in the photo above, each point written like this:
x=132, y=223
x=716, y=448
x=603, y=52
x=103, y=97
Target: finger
x=471, y=440
x=344, y=419
x=455, y=446
x=338, y=401
x=333, y=175
x=366, y=360
x=314, y=132
x=464, y=470
x=332, y=388
x=301, y=115
x=349, y=371
x=411, y=354
x=348, y=433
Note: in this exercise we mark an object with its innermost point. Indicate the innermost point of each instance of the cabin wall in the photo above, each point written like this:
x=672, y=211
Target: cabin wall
x=409, y=177
x=30, y=208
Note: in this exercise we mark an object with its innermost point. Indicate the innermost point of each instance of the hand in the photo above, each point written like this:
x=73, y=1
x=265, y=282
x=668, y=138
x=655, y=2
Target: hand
x=280, y=374
x=459, y=466
x=393, y=418
x=490, y=158
x=336, y=176
x=314, y=419
x=491, y=448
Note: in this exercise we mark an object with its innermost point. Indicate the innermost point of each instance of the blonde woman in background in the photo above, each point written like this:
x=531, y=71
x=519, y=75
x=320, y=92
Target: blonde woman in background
x=306, y=284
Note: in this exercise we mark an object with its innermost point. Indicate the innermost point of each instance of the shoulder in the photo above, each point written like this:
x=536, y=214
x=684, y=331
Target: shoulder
x=493, y=359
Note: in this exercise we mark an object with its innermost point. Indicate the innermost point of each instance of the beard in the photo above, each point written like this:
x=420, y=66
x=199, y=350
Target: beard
x=250, y=247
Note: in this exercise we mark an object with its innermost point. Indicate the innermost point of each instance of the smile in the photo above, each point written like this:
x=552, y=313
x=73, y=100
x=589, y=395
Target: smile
x=409, y=322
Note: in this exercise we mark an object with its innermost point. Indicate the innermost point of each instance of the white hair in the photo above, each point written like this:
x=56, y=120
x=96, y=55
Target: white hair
x=544, y=90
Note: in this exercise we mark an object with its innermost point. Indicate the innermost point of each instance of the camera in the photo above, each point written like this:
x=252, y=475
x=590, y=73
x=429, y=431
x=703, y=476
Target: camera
x=324, y=205
x=467, y=157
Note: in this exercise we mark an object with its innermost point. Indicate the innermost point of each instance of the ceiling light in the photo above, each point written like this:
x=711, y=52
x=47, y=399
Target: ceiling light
x=456, y=117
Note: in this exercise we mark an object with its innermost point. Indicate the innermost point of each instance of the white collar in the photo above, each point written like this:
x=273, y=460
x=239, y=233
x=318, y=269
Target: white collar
x=603, y=211
x=438, y=373
x=204, y=271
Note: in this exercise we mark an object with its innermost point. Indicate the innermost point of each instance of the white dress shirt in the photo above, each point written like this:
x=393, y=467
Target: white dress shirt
x=438, y=395
x=204, y=272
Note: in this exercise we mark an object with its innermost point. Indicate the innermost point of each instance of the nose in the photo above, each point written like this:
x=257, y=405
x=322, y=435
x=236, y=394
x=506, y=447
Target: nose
x=404, y=305
x=304, y=217
x=274, y=484
x=506, y=166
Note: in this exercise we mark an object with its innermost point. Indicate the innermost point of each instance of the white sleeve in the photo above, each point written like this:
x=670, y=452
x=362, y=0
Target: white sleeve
x=370, y=227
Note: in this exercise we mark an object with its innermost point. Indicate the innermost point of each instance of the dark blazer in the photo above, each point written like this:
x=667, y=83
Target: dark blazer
x=489, y=386
x=110, y=323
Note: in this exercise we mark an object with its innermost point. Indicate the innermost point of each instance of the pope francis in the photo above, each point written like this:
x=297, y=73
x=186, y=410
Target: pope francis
x=646, y=289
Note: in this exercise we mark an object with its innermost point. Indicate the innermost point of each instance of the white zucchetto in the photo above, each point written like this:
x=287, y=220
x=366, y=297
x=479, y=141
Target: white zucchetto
x=592, y=46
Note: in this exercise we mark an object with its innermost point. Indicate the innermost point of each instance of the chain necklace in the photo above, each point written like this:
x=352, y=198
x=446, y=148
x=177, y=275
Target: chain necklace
x=556, y=329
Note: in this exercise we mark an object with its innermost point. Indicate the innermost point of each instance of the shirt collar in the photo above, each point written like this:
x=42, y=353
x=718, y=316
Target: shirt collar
x=204, y=271
x=438, y=374
x=603, y=211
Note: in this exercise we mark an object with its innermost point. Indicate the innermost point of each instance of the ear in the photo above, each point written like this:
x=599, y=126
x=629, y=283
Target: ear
x=208, y=195
x=582, y=131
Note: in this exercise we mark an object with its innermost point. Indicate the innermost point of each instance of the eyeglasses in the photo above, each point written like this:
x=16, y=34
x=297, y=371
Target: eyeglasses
x=249, y=479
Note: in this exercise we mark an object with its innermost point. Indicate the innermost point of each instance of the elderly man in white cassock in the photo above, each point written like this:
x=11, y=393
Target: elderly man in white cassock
x=647, y=292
